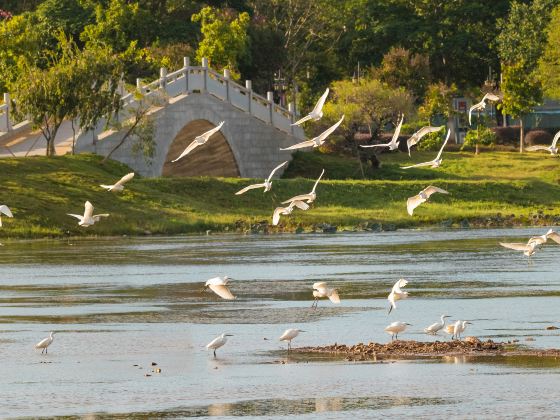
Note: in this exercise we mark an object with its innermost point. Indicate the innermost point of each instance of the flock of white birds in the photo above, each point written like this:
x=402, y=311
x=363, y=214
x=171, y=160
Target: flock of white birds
x=220, y=285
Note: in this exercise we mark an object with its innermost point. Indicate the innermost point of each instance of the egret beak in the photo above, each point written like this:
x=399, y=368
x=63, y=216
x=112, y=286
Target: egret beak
x=390, y=309
x=229, y=335
x=302, y=331
x=406, y=323
x=447, y=316
x=470, y=323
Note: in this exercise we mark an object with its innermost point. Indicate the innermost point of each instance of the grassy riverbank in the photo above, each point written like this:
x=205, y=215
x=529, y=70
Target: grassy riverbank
x=41, y=191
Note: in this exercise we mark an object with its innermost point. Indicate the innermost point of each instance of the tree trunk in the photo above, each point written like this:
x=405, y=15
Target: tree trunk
x=476, y=149
x=521, y=135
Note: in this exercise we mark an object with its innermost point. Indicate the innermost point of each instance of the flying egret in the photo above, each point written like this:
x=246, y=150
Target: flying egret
x=458, y=328
x=317, y=112
x=397, y=294
x=542, y=239
x=321, y=290
x=436, y=163
x=481, y=106
x=45, y=343
x=88, y=219
x=289, y=335
x=422, y=197
x=316, y=141
x=394, y=143
x=267, y=184
x=219, y=285
x=119, y=185
x=310, y=197
x=436, y=326
x=218, y=342
x=199, y=140
x=395, y=328
x=552, y=148
x=4, y=209
x=416, y=137
x=528, y=249
x=278, y=211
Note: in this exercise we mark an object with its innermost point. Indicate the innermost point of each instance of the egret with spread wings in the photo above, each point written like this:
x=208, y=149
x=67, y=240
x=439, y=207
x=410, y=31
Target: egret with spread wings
x=422, y=197
x=317, y=112
x=436, y=163
x=267, y=184
x=316, y=141
x=199, y=140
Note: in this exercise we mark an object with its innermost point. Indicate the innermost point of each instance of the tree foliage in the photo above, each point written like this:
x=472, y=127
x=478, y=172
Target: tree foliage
x=401, y=68
x=549, y=64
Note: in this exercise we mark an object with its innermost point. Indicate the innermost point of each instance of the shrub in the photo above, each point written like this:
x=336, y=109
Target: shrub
x=507, y=135
x=487, y=138
x=538, y=137
x=432, y=142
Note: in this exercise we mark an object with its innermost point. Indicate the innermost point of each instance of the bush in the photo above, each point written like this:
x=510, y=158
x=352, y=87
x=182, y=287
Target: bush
x=487, y=138
x=507, y=135
x=538, y=137
x=432, y=142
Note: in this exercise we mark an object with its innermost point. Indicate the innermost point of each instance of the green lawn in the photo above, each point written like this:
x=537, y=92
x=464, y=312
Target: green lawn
x=41, y=191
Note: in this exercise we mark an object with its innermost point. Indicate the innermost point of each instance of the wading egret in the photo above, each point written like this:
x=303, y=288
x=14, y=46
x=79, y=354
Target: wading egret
x=219, y=285
x=267, y=184
x=552, y=148
x=4, y=209
x=394, y=143
x=458, y=328
x=422, y=197
x=397, y=294
x=323, y=291
x=436, y=326
x=45, y=343
x=395, y=328
x=416, y=137
x=88, y=218
x=436, y=163
x=218, y=342
x=289, y=335
x=481, y=106
x=119, y=185
x=542, y=239
x=316, y=141
x=278, y=211
x=199, y=140
x=317, y=112
x=309, y=198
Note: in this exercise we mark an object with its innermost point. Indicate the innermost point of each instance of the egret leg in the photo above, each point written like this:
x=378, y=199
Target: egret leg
x=396, y=336
x=46, y=350
x=214, y=353
x=42, y=351
x=390, y=308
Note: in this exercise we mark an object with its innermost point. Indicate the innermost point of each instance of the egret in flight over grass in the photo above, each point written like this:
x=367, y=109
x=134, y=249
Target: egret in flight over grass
x=316, y=141
x=310, y=197
x=317, y=112
x=4, y=209
x=199, y=140
x=436, y=326
x=289, y=335
x=436, y=163
x=88, y=219
x=218, y=342
x=552, y=148
x=481, y=106
x=416, y=137
x=395, y=328
x=267, y=184
x=397, y=294
x=422, y=197
x=278, y=211
x=119, y=185
x=321, y=290
x=394, y=143
x=219, y=285
x=45, y=343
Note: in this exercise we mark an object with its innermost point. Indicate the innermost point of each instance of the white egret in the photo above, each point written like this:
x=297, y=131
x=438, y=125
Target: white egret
x=321, y=290
x=397, y=294
x=552, y=148
x=218, y=342
x=45, y=343
x=310, y=197
x=528, y=249
x=267, y=184
x=317, y=112
x=4, y=209
x=88, y=219
x=394, y=143
x=458, y=328
x=481, y=106
x=119, y=185
x=436, y=326
x=542, y=239
x=219, y=285
x=416, y=137
x=289, y=335
x=199, y=140
x=316, y=141
x=436, y=163
x=278, y=211
x=422, y=197
x=395, y=328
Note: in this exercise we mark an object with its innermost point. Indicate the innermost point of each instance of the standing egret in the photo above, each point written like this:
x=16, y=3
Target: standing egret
x=289, y=335
x=395, y=328
x=397, y=294
x=88, y=219
x=394, y=143
x=4, y=209
x=459, y=327
x=267, y=184
x=322, y=291
x=436, y=326
x=317, y=111
x=316, y=141
x=436, y=163
x=552, y=148
x=218, y=342
x=119, y=185
x=422, y=197
x=309, y=198
x=481, y=106
x=45, y=343
x=416, y=137
x=287, y=210
x=199, y=140
x=219, y=285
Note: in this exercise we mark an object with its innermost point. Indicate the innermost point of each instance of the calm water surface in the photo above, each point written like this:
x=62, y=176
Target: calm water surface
x=120, y=304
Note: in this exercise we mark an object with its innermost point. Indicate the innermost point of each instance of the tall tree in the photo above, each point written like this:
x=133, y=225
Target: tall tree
x=549, y=64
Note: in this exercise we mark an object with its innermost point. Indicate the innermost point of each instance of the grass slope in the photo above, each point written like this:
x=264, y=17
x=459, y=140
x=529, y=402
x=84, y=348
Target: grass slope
x=41, y=191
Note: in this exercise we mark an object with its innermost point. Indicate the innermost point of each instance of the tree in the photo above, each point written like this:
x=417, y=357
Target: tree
x=549, y=64
x=401, y=68
x=438, y=102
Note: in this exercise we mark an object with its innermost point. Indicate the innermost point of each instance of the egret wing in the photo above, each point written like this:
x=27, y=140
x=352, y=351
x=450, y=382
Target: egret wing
x=4, y=209
x=444, y=144
x=303, y=144
x=209, y=133
x=397, y=132
x=250, y=187
x=317, y=182
x=554, y=236
x=274, y=170
x=301, y=205
x=374, y=145
x=77, y=216
x=431, y=190
x=555, y=139
x=301, y=197
x=536, y=147
x=320, y=285
x=276, y=215
x=418, y=165
x=42, y=343
x=329, y=130
x=194, y=144
x=491, y=97
x=413, y=202
x=125, y=179
x=88, y=212
x=222, y=291
x=320, y=103
x=515, y=245
x=333, y=297
x=397, y=286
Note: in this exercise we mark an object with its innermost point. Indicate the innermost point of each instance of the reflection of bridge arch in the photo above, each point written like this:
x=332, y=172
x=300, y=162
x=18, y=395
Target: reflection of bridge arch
x=214, y=158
